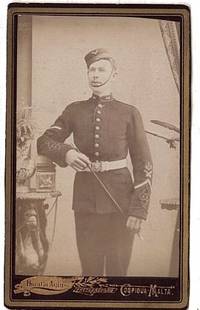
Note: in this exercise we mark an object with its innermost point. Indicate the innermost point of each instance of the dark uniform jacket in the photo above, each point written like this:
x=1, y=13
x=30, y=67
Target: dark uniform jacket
x=104, y=129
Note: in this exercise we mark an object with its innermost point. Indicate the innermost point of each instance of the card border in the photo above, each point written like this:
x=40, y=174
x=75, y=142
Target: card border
x=130, y=10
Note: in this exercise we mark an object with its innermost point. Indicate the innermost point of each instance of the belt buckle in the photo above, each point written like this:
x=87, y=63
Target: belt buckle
x=96, y=166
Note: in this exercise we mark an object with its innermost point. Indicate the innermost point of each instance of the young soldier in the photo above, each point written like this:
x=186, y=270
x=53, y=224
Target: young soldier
x=108, y=212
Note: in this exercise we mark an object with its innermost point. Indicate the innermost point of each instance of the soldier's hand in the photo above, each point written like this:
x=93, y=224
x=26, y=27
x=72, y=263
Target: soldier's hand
x=134, y=224
x=78, y=161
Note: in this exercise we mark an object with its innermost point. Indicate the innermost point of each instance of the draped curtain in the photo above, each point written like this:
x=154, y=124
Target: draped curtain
x=171, y=38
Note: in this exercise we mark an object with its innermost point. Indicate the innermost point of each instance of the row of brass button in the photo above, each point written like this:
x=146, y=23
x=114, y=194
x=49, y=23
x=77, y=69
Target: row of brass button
x=97, y=129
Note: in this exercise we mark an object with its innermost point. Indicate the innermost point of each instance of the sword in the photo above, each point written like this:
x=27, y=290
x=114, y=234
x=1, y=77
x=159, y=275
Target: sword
x=105, y=188
x=114, y=201
x=110, y=195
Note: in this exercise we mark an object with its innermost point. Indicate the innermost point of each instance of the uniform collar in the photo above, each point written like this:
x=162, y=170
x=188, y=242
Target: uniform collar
x=103, y=99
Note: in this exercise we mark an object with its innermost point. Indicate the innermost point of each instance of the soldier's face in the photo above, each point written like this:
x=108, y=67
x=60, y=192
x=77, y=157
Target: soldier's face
x=100, y=73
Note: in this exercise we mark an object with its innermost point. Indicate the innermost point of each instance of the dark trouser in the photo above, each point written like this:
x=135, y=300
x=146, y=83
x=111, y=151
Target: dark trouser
x=104, y=243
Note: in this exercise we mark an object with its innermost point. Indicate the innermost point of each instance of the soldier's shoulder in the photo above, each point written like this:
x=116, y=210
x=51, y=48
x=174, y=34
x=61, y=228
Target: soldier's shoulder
x=75, y=105
x=127, y=107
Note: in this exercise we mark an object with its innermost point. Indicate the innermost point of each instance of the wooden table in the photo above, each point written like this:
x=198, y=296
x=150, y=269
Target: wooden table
x=32, y=244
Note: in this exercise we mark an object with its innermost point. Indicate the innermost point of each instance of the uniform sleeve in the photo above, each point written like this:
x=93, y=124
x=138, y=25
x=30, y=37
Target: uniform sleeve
x=142, y=166
x=51, y=143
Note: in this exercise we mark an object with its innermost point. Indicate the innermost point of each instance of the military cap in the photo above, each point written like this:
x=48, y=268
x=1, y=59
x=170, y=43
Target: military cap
x=98, y=54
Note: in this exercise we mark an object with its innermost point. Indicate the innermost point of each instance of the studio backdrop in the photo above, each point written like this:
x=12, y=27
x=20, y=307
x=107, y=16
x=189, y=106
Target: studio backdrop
x=52, y=73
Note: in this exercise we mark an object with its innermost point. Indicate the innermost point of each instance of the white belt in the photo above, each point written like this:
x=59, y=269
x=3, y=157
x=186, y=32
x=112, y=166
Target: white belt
x=100, y=166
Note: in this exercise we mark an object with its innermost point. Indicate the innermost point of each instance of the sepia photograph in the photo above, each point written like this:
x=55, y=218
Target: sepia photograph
x=99, y=112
